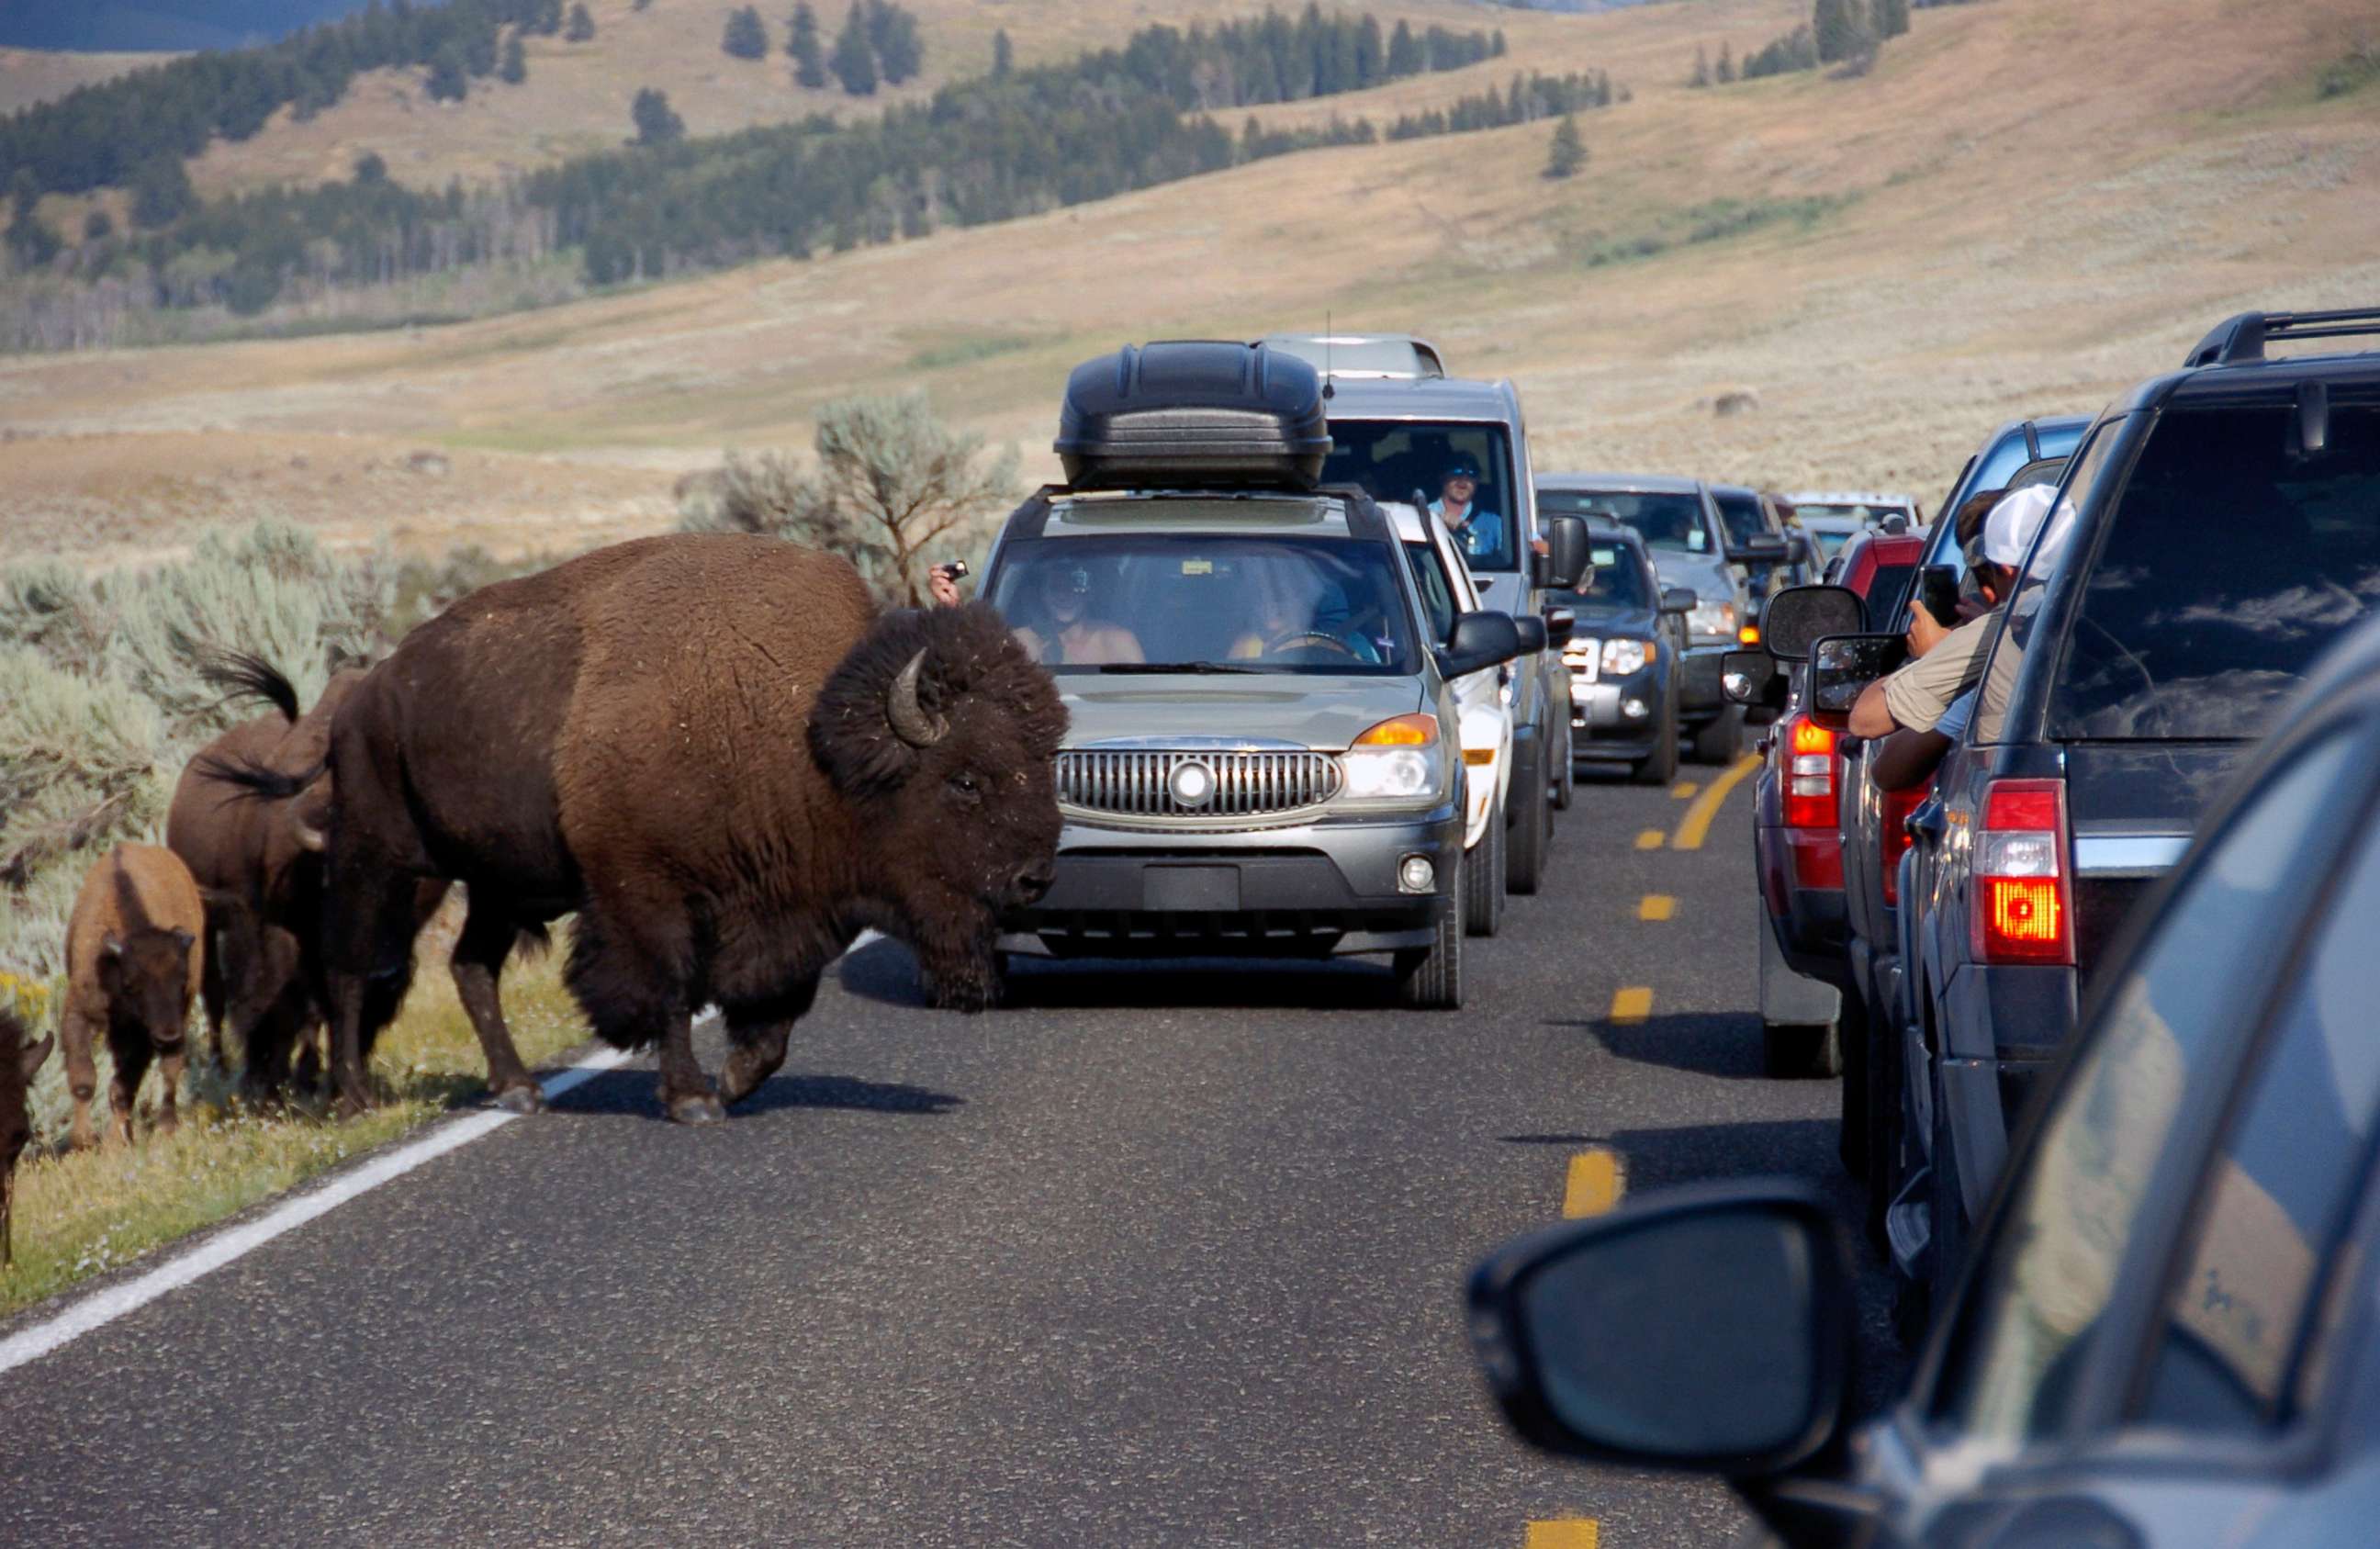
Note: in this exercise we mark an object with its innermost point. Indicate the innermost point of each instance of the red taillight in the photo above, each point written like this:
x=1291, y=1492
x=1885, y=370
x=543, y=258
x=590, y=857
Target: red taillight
x=1897, y=805
x=1809, y=775
x=2022, y=910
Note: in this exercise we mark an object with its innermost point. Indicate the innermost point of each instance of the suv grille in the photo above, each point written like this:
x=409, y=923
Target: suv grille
x=1140, y=783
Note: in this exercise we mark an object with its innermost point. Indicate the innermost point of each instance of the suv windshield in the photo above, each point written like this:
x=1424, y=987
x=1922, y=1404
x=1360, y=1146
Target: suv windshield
x=1619, y=580
x=2228, y=565
x=1404, y=460
x=1194, y=603
x=1741, y=515
x=1674, y=521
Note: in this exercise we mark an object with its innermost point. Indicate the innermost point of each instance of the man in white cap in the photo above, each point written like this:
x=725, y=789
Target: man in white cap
x=1946, y=663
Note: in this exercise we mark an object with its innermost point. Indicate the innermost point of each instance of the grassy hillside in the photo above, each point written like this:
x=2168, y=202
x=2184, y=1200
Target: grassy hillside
x=2019, y=210
x=30, y=76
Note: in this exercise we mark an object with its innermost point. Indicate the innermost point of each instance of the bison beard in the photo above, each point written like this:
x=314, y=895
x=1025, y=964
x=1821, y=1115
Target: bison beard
x=712, y=751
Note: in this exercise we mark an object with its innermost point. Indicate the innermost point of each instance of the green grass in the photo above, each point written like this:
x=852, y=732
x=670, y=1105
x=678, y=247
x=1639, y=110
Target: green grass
x=966, y=351
x=82, y=1214
x=2349, y=73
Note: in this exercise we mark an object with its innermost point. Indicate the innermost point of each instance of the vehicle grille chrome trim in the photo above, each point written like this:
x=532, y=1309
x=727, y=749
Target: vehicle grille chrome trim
x=1138, y=782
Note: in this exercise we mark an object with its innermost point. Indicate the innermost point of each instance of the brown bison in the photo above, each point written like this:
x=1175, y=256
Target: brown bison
x=713, y=751
x=18, y=1059
x=133, y=963
x=259, y=863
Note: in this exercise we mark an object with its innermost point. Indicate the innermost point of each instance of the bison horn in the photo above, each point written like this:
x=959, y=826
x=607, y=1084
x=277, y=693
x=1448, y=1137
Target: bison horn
x=910, y=721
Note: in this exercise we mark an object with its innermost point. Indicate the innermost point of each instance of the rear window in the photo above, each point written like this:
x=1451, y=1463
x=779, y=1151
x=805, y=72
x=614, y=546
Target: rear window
x=2229, y=566
x=1742, y=516
x=1618, y=578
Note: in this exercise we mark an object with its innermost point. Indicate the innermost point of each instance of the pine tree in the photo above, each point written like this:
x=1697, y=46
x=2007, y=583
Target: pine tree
x=802, y=43
x=1840, y=30
x=1891, y=18
x=900, y=53
x=853, y=62
x=448, y=83
x=1702, y=68
x=1496, y=44
x=745, y=38
x=1724, y=72
x=161, y=191
x=582, y=28
x=546, y=19
x=370, y=168
x=515, y=69
x=480, y=46
x=657, y=123
x=1404, y=51
x=1003, y=55
x=1568, y=153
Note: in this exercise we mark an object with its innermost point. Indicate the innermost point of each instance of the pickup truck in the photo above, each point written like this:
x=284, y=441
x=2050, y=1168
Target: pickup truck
x=2215, y=530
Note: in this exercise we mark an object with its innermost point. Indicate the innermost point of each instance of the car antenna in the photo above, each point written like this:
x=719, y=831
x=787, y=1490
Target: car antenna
x=1329, y=390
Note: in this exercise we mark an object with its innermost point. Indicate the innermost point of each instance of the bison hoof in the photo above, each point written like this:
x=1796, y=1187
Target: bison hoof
x=528, y=1098
x=742, y=1075
x=699, y=1109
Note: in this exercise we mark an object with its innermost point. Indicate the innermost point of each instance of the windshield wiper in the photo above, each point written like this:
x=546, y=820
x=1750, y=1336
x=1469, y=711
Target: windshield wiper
x=1175, y=667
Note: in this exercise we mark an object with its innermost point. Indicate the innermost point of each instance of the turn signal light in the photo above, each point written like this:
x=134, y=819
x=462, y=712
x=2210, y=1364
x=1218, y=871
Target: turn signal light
x=1478, y=756
x=1406, y=730
x=1809, y=775
x=1748, y=636
x=2022, y=910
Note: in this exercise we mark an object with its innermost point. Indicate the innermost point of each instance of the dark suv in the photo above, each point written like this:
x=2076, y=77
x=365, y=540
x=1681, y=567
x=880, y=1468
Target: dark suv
x=2217, y=530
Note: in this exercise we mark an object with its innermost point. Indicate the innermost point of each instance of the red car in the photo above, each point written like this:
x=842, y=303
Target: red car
x=1797, y=844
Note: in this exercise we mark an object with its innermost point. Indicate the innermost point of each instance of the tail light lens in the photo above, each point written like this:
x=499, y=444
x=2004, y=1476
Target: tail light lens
x=1809, y=775
x=2024, y=909
x=1897, y=805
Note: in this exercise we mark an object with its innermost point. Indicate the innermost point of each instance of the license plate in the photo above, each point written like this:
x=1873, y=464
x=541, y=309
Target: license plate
x=1190, y=889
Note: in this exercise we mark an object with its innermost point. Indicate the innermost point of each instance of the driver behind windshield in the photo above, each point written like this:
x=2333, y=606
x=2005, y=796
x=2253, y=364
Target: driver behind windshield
x=1478, y=531
x=1297, y=612
x=1065, y=631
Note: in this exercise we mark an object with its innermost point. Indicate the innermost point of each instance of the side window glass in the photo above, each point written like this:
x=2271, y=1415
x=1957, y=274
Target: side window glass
x=2026, y=1323
x=2008, y=650
x=2272, y=1208
x=1434, y=596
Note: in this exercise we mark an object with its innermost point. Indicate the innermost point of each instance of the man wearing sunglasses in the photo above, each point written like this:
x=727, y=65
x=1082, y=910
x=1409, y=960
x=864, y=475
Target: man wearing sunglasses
x=1478, y=532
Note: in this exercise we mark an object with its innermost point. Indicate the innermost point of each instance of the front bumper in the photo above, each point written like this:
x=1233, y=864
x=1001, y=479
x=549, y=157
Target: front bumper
x=1323, y=889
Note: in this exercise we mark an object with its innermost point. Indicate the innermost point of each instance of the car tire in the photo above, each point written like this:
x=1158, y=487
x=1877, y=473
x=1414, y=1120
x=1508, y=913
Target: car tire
x=1660, y=765
x=1430, y=978
x=1483, y=881
x=1566, y=782
x=1525, y=847
x=1720, y=739
x=1795, y=1051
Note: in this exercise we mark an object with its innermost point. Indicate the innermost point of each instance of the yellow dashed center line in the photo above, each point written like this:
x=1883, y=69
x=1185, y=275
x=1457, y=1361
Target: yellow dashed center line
x=1651, y=838
x=1631, y=1004
x=1597, y=1181
x=1694, y=827
x=1684, y=789
x=1562, y=1533
x=1656, y=906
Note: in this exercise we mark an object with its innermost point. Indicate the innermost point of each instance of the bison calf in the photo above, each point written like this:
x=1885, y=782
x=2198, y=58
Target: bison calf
x=18, y=1061
x=133, y=965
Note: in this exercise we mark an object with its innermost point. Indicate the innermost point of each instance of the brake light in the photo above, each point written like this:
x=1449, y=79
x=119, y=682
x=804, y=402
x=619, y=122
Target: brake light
x=1897, y=805
x=2022, y=910
x=1809, y=775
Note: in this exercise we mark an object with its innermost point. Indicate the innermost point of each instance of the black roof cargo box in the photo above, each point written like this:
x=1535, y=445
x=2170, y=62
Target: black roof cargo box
x=1193, y=413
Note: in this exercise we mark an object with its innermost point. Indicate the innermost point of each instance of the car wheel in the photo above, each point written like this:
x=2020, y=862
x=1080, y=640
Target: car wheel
x=1566, y=782
x=1660, y=765
x=1722, y=739
x=1430, y=978
x=1483, y=881
x=1525, y=847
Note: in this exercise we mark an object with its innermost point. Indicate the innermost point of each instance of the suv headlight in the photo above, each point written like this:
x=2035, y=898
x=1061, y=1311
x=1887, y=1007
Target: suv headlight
x=1713, y=618
x=1623, y=657
x=1396, y=761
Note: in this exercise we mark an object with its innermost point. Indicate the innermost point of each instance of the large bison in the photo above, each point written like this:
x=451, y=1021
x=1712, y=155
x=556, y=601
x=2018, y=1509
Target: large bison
x=133, y=963
x=20, y=1058
x=260, y=866
x=714, y=750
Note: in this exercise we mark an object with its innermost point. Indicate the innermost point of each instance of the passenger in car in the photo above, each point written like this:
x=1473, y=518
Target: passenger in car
x=1945, y=663
x=1478, y=532
x=1067, y=634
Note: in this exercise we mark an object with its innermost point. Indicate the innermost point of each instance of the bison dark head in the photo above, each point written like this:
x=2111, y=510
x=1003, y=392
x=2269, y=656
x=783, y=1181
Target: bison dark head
x=146, y=974
x=941, y=733
x=18, y=1061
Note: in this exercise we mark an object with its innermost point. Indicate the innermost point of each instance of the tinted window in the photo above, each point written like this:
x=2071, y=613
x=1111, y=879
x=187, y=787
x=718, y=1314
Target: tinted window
x=1741, y=515
x=2227, y=568
x=1620, y=578
x=2009, y=646
x=1264, y=604
x=1397, y=460
x=1437, y=591
x=2048, y=1270
x=1665, y=521
x=2276, y=1201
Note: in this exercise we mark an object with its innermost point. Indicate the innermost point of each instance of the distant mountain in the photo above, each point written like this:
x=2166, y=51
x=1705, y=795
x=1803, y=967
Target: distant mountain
x=142, y=24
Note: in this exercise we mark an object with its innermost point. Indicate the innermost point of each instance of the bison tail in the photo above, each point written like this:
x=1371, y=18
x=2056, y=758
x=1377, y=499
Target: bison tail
x=257, y=780
x=243, y=675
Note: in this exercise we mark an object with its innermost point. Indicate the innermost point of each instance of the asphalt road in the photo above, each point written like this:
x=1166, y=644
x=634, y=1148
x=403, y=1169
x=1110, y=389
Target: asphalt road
x=1161, y=1255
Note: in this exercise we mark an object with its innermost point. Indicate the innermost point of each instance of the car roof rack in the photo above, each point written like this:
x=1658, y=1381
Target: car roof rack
x=2243, y=337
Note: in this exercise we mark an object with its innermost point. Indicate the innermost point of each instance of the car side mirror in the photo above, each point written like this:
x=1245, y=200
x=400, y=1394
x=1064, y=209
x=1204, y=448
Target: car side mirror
x=1703, y=1328
x=1842, y=666
x=1541, y=571
x=1481, y=639
x=1679, y=600
x=1797, y=549
x=1533, y=633
x=1751, y=678
x=1761, y=548
x=1571, y=561
x=1799, y=617
x=1561, y=624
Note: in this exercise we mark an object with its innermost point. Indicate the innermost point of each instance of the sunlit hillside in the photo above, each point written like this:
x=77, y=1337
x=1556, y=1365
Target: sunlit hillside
x=2021, y=209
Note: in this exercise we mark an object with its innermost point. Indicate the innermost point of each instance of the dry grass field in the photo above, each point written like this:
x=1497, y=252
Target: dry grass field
x=2022, y=208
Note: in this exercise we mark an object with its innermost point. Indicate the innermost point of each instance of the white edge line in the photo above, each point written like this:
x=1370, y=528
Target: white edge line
x=104, y=1307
